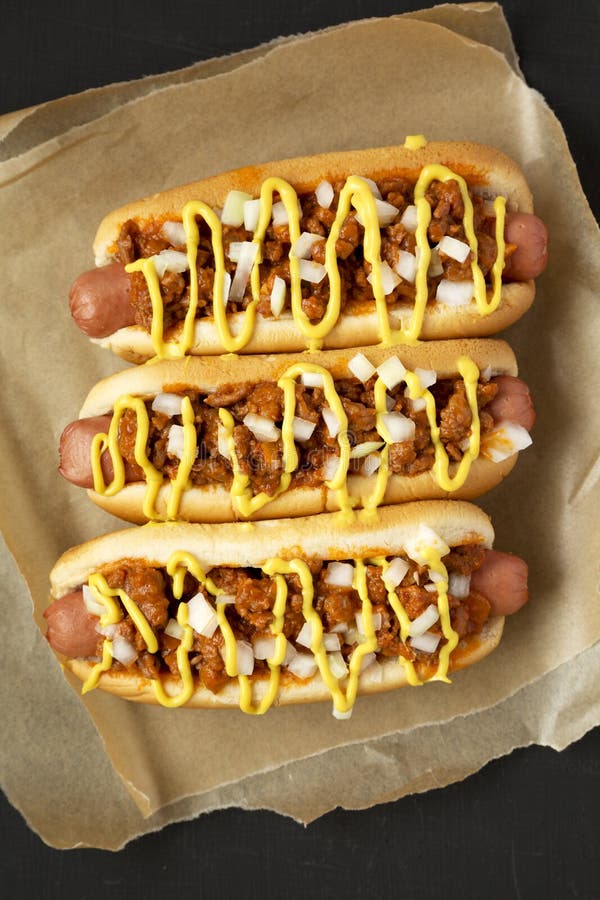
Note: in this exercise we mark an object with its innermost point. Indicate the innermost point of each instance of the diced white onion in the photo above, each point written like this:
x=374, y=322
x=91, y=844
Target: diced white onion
x=340, y=574
x=371, y=464
x=457, y=250
x=424, y=622
x=251, y=214
x=386, y=213
x=454, y=293
x=361, y=368
x=367, y=660
x=167, y=404
x=364, y=449
x=91, y=604
x=391, y=372
x=223, y=441
x=175, y=442
x=430, y=587
x=426, y=642
x=305, y=635
x=278, y=293
x=248, y=252
x=507, y=438
x=375, y=621
x=311, y=271
x=174, y=629
x=331, y=642
x=340, y=628
x=406, y=266
x=312, y=379
x=264, y=647
x=337, y=664
x=423, y=540
x=395, y=572
x=331, y=421
x=302, y=665
x=389, y=279
x=171, y=261
x=244, y=657
x=201, y=616
x=427, y=377
x=409, y=218
x=174, y=232
x=233, y=208
x=435, y=267
x=416, y=578
x=372, y=187
x=262, y=428
x=123, y=651
x=226, y=287
x=400, y=427
x=302, y=429
x=302, y=247
x=290, y=654
x=352, y=637
x=280, y=215
x=417, y=404
x=459, y=585
x=324, y=193
x=436, y=577
x=109, y=631
x=235, y=249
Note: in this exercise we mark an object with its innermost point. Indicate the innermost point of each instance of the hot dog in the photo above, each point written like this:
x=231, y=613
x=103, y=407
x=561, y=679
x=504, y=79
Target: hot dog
x=283, y=611
x=318, y=252
x=292, y=435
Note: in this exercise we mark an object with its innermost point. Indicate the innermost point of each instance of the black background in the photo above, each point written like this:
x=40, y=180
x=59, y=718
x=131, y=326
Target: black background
x=526, y=826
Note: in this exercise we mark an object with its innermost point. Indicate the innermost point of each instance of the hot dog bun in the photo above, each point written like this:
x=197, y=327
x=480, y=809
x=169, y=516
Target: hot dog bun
x=484, y=168
x=216, y=503
x=237, y=545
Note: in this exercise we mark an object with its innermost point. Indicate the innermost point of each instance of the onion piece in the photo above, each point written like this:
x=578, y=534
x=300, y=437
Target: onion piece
x=302, y=429
x=91, y=604
x=311, y=271
x=427, y=642
x=262, y=428
x=361, y=368
x=341, y=714
x=435, y=267
x=389, y=279
x=264, y=646
x=409, y=218
x=331, y=421
x=421, y=541
x=454, y=293
x=371, y=464
x=331, y=641
x=430, y=587
x=302, y=247
x=251, y=214
x=176, y=441
x=233, y=208
x=278, y=294
x=367, y=660
x=223, y=441
x=400, y=427
x=337, y=664
x=302, y=665
x=505, y=440
x=123, y=651
x=375, y=621
x=312, y=379
x=324, y=194
x=280, y=214
x=201, y=616
x=174, y=232
x=174, y=629
x=305, y=635
x=248, y=251
x=109, y=631
x=427, y=377
x=234, y=250
x=167, y=404
x=406, y=266
x=457, y=250
x=372, y=186
x=391, y=372
x=459, y=585
x=244, y=657
x=170, y=261
x=340, y=574
x=395, y=572
x=364, y=449
x=386, y=213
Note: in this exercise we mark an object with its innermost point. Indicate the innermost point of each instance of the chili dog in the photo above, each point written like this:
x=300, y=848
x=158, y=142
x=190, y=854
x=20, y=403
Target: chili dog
x=279, y=436
x=429, y=240
x=283, y=611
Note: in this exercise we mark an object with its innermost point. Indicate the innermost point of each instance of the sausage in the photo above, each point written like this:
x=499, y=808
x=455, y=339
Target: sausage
x=74, y=452
x=71, y=628
x=99, y=299
x=502, y=579
x=513, y=402
x=529, y=234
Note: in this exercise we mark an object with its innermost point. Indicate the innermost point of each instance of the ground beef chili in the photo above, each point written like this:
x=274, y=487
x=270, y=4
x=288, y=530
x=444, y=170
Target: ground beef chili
x=262, y=462
x=251, y=613
x=136, y=241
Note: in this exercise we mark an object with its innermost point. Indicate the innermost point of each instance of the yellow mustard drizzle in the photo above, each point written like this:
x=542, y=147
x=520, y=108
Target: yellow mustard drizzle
x=241, y=494
x=402, y=616
x=434, y=562
x=356, y=192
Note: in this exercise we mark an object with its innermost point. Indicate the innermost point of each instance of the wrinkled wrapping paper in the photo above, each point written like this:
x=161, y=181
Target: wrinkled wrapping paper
x=65, y=164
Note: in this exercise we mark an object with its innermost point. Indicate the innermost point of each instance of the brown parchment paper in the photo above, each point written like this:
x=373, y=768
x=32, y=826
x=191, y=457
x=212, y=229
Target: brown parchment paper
x=539, y=685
